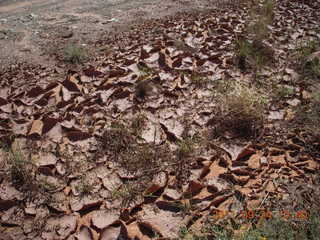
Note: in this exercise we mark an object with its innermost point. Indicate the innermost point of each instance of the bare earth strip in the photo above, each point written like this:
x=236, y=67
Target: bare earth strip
x=27, y=28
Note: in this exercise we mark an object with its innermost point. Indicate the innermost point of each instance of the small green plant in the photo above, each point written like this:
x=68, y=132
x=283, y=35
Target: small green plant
x=211, y=230
x=21, y=171
x=127, y=193
x=185, y=147
x=261, y=16
x=121, y=192
x=198, y=79
x=252, y=54
x=275, y=228
x=282, y=92
x=75, y=54
x=308, y=60
x=138, y=123
x=220, y=232
x=187, y=234
x=145, y=71
x=306, y=48
x=259, y=29
x=222, y=86
x=84, y=187
x=267, y=10
x=243, y=52
x=278, y=228
x=312, y=68
x=185, y=207
x=139, y=159
x=183, y=232
x=46, y=186
x=308, y=116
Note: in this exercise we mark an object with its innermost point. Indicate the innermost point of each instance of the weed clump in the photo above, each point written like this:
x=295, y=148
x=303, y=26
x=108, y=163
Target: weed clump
x=259, y=29
x=75, y=54
x=121, y=144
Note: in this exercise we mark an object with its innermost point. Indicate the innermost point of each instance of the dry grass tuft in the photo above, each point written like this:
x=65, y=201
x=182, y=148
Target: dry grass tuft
x=240, y=113
x=21, y=171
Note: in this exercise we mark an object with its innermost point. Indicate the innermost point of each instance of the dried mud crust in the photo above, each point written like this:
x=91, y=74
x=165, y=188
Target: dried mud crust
x=45, y=27
x=62, y=127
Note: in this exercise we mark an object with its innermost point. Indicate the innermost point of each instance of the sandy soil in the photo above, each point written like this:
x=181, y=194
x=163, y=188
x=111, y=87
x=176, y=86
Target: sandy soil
x=31, y=30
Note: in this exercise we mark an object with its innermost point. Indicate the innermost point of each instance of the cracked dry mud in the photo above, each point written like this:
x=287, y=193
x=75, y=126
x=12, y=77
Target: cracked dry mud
x=28, y=29
x=121, y=147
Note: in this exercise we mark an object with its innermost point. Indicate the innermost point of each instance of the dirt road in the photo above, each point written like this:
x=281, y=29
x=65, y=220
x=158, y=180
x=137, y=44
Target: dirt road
x=30, y=30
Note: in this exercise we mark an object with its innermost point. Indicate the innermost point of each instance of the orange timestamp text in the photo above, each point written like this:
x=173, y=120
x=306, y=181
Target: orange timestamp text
x=264, y=214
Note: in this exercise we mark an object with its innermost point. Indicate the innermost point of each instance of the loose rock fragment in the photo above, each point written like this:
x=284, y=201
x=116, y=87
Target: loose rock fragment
x=104, y=218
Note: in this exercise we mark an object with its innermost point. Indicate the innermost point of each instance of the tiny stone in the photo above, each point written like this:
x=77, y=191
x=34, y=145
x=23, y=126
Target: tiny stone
x=263, y=161
x=276, y=115
x=306, y=95
x=294, y=102
x=67, y=34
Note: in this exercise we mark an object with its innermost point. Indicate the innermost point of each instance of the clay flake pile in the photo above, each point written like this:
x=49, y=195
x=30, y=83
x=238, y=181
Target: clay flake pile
x=140, y=143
